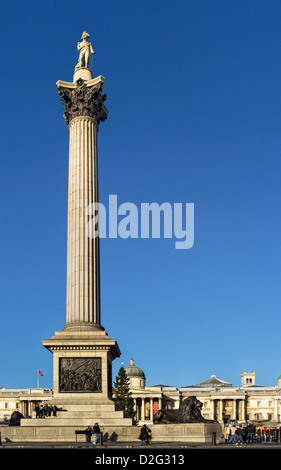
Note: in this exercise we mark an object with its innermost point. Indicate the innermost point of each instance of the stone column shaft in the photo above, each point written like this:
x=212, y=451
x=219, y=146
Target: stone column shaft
x=84, y=110
x=275, y=410
x=220, y=410
x=243, y=411
x=142, y=409
x=234, y=411
x=83, y=256
x=151, y=409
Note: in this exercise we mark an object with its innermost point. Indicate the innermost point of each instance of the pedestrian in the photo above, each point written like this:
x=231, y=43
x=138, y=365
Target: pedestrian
x=232, y=434
x=143, y=434
x=226, y=433
x=55, y=410
x=148, y=435
x=96, y=431
x=251, y=433
x=37, y=411
x=245, y=434
x=88, y=434
x=46, y=410
x=41, y=412
x=239, y=434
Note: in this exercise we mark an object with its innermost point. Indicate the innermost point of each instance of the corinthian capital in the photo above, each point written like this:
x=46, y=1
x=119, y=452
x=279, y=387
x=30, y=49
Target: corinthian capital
x=83, y=98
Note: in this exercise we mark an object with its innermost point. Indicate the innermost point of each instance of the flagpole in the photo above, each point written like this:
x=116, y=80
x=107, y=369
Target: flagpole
x=37, y=378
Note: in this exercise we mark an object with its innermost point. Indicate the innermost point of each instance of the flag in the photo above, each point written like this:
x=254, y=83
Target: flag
x=40, y=373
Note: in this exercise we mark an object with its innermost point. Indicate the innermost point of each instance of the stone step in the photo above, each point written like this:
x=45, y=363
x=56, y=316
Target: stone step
x=67, y=434
x=60, y=402
x=192, y=432
x=110, y=408
x=93, y=414
x=50, y=422
x=89, y=407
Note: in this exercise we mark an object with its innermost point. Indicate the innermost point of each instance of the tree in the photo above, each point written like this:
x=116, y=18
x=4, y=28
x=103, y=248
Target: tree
x=122, y=395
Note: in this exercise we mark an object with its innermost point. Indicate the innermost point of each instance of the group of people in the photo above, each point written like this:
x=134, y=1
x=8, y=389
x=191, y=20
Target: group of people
x=240, y=434
x=46, y=410
x=93, y=430
x=145, y=435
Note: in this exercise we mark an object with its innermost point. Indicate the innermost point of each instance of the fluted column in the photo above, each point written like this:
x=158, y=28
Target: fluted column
x=143, y=409
x=84, y=109
x=83, y=259
x=234, y=412
x=243, y=411
x=151, y=409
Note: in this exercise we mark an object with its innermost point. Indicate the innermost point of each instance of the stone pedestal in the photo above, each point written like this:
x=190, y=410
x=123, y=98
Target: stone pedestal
x=202, y=433
x=82, y=365
x=82, y=72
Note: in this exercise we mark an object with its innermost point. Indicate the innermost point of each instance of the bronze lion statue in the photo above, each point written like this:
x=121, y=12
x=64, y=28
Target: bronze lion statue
x=188, y=412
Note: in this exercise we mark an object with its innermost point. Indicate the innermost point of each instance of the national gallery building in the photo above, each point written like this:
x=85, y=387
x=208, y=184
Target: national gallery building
x=221, y=400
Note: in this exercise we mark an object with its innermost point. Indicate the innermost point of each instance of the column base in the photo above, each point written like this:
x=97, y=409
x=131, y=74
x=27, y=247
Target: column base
x=82, y=362
x=82, y=326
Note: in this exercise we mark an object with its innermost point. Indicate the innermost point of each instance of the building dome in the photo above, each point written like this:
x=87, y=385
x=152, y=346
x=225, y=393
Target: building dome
x=134, y=371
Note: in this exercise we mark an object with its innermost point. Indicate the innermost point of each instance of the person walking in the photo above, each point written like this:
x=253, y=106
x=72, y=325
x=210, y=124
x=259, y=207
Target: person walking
x=143, y=435
x=96, y=431
x=148, y=435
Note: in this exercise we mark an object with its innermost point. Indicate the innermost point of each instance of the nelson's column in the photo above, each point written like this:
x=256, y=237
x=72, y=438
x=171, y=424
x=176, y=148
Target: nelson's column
x=82, y=352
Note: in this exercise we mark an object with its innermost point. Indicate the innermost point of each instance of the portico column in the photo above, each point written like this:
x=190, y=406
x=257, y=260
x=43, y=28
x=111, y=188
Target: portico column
x=142, y=409
x=243, y=417
x=151, y=409
x=234, y=410
x=275, y=411
x=212, y=408
x=221, y=409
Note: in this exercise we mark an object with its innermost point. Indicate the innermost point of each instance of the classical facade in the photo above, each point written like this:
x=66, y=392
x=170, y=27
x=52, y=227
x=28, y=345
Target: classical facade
x=22, y=400
x=221, y=400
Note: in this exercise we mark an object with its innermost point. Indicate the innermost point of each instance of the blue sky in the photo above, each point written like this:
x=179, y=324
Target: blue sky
x=193, y=92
